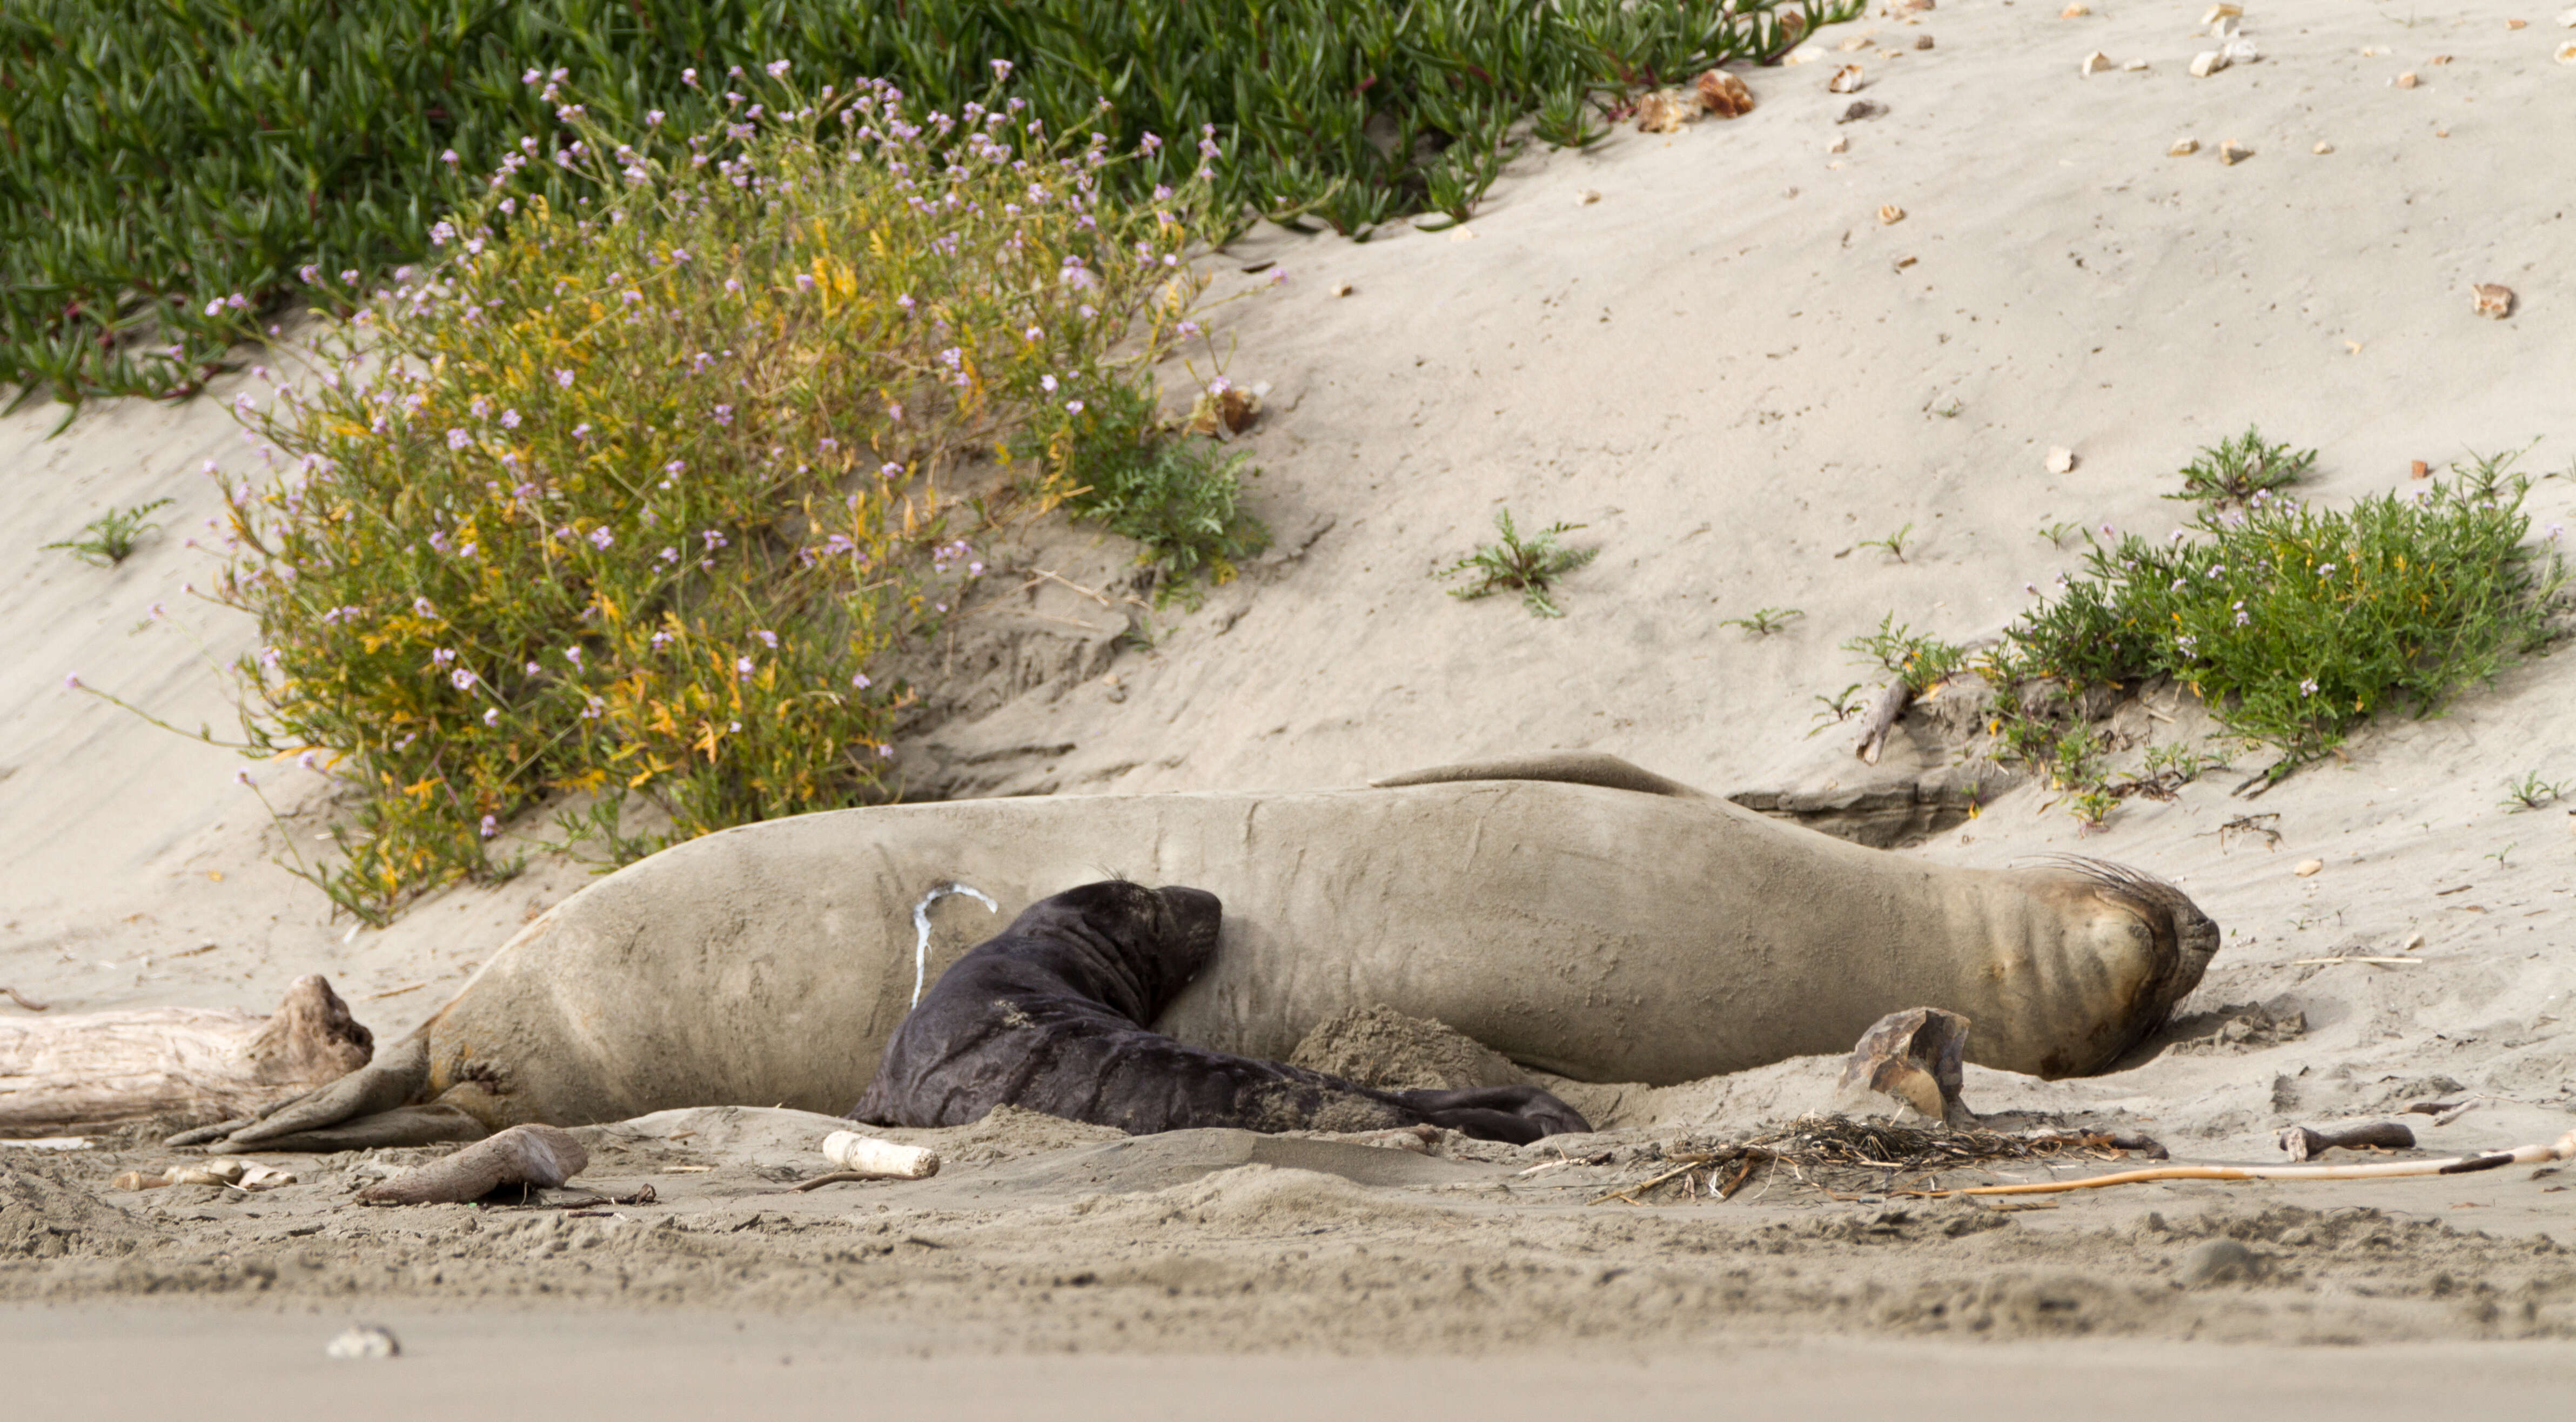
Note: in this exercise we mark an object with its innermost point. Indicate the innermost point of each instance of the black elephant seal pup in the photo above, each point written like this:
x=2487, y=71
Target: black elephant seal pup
x=1050, y=1015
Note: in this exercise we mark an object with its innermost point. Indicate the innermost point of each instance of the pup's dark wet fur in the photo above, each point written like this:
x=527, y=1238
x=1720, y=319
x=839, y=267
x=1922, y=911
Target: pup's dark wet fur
x=1050, y=1015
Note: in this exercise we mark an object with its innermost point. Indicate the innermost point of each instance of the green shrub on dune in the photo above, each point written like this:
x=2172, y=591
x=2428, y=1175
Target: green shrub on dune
x=639, y=488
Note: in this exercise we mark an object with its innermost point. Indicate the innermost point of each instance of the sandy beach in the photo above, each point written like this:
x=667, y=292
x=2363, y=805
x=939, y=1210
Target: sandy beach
x=1718, y=352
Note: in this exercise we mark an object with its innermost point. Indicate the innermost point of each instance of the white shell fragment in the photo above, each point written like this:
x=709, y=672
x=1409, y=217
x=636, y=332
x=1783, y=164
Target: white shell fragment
x=2061, y=460
x=2216, y=13
x=2183, y=148
x=2308, y=868
x=2241, y=51
x=2206, y=63
x=2097, y=62
x=2232, y=153
x=2489, y=299
x=364, y=1340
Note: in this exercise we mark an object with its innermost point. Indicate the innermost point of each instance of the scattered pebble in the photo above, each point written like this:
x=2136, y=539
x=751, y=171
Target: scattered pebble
x=1855, y=42
x=364, y=1340
x=1890, y=214
x=2075, y=11
x=2566, y=54
x=1903, y=8
x=1462, y=234
x=2413, y=942
x=1841, y=144
x=1862, y=109
x=2515, y=24
x=2061, y=460
x=2232, y=153
x=2133, y=65
x=2489, y=299
x=2420, y=470
x=2096, y=63
x=2216, y=13
x=2241, y=51
x=2183, y=148
x=2405, y=80
x=1585, y=197
x=2206, y=63
x=2226, y=27
x=1341, y=288
x=2322, y=147
x=2308, y=868
x=1922, y=41
x=1903, y=262
x=2437, y=59
x=1846, y=80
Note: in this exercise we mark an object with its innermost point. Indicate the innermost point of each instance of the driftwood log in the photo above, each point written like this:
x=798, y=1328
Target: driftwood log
x=94, y=1071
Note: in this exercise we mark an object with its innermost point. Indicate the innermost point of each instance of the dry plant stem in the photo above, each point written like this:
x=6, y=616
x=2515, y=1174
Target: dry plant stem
x=25, y=1001
x=1882, y=718
x=2563, y=1149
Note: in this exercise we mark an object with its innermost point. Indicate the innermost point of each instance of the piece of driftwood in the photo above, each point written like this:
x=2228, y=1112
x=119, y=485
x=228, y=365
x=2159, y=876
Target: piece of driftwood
x=1882, y=718
x=2307, y=1143
x=1913, y=1057
x=529, y=1155
x=94, y=1071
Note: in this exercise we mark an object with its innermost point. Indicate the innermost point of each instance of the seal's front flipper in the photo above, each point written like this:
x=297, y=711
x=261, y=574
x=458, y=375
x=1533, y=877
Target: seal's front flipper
x=1518, y=1114
x=1564, y=767
x=395, y=1079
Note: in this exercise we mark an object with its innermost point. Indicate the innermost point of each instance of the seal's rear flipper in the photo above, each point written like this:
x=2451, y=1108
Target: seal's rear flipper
x=1565, y=767
x=394, y=1079
x=433, y=1124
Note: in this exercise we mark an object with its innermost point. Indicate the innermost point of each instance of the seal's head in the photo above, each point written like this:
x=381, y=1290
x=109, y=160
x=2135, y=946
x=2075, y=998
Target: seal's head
x=2164, y=932
x=1145, y=944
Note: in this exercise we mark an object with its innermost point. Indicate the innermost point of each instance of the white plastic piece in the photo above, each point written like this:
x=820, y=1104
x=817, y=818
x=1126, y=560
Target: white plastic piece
x=871, y=1156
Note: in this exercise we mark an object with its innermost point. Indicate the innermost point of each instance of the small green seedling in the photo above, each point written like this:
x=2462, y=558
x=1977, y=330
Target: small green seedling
x=1894, y=543
x=2058, y=533
x=1840, y=706
x=112, y=537
x=2235, y=470
x=1923, y=662
x=1528, y=566
x=1763, y=621
x=2531, y=792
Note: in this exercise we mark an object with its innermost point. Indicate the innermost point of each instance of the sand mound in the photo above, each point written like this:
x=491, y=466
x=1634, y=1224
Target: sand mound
x=42, y=1217
x=1381, y=1047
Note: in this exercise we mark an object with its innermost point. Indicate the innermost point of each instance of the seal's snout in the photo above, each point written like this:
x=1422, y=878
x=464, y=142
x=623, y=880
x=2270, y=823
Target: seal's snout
x=1195, y=912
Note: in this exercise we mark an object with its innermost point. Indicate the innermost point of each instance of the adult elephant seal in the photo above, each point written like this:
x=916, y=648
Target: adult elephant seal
x=1576, y=913
x=1050, y=1016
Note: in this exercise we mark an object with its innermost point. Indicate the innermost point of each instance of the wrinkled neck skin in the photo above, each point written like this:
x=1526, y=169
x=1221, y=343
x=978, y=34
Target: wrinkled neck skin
x=2083, y=970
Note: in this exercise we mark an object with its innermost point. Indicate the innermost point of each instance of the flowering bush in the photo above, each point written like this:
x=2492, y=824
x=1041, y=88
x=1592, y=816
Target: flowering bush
x=639, y=486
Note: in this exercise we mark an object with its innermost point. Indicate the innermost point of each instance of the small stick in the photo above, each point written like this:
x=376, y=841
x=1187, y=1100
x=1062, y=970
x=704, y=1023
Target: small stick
x=835, y=1178
x=1743, y=1173
x=396, y=992
x=1077, y=587
x=1626, y=1193
x=2380, y=962
x=25, y=1001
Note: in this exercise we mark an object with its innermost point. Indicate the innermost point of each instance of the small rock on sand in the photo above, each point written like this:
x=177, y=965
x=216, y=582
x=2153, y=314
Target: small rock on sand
x=2061, y=460
x=2492, y=300
x=2308, y=868
x=2232, y=153
x=2183, y=148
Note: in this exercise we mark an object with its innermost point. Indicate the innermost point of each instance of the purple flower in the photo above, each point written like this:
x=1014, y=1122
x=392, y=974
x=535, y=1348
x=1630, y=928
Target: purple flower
x=676, y=468
x=860, y=681
x=440, y=656
x=573, y=655
x=1001, y=70
x=1047, y=383
x=72, y=681
x=600, y=538
x=770, y=638
x=491, y=826
x=804, y=281
x=724, y=414
x=742, y=667
x=448, y=157
x=1073, y=407
x=462, y=679
x=491, y=715
x=509, y=419
x=2308, y=687
x=458, y=439
x=778, y=68
x=242, y=777
x=309, y=761
x=423, y=607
